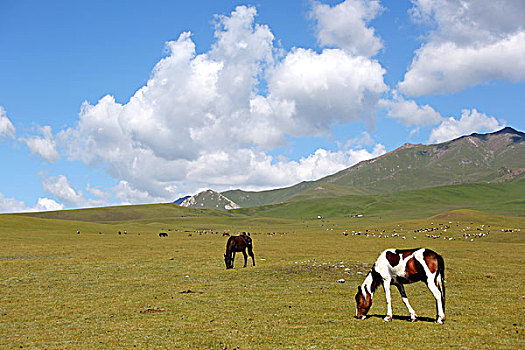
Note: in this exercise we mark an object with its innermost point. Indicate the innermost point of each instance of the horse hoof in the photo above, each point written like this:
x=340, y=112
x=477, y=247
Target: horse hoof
x=387, y=319
x=413, y=319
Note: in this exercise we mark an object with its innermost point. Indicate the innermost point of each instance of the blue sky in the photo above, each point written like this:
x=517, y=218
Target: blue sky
x=105, y=103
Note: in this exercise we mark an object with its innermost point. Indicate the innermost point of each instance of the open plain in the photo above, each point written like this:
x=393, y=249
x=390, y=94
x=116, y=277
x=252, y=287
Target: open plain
x=60, y=289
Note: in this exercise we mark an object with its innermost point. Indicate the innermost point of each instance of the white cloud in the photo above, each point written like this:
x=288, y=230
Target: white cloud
x=47, y=204
x=345, y=26
x=60, y=188
x=262, y=171
x=11, y=205
x=471, y=121
x=364, y=140
x=468, y=21
x=327, y=88
x=447, y=67
x=45, y=146
x=473, y=42
x=409, y=113
x=201, y=121
x=126, y=194
x=6, y=127
x=97, y=192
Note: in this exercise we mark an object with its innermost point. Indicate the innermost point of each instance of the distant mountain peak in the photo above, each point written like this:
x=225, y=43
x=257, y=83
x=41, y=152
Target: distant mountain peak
x=209, y=199
x=181, y=199
x=508, y=130
x=408, y=145
x=507, y=133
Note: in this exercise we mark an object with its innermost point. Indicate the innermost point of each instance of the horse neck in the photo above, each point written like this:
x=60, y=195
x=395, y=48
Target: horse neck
x=371, y=282
x=229, y=246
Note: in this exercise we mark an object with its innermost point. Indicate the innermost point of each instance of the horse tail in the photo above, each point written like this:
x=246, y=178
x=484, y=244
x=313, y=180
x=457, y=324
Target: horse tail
x=440, y=279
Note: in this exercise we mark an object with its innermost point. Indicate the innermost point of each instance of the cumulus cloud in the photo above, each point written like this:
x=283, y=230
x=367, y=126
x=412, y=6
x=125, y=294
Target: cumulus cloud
x=6, y=127
x=448, y=67
x=345, y=26
x=409, y=113
x=364, y=140
x=11, y=205
x=327, y=88
x=60, y=188
x=471, y=121
x=126, y=194
x=466, y=21
x=473, y=42
x=47, y=204
x=262, y=171
x=44, y=146
x=201, y=121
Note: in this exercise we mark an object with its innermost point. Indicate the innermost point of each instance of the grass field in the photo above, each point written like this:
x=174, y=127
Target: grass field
x=99, y=289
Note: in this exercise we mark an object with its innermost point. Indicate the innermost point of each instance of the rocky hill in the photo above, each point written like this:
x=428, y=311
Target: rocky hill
x=209, y=199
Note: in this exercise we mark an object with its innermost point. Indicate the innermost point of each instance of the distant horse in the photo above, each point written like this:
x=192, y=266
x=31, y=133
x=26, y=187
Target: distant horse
x=163, y=234
x=238, y=244
x=399, y=267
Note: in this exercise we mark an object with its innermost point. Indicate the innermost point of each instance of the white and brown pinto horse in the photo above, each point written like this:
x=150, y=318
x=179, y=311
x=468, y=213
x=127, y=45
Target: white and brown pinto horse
x=399, y=267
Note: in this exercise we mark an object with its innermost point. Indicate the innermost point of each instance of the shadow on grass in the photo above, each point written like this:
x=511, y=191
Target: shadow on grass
x=406, y=318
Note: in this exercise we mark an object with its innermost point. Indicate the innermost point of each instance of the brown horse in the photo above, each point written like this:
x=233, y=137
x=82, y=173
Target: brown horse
x=238, y=244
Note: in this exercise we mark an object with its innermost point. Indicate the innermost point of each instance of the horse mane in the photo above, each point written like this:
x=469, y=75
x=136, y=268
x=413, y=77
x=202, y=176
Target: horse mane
x=376, y=281
x=229, y=244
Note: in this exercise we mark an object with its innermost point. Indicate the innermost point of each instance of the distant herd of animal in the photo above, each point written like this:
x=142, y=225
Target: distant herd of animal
x=393, y=267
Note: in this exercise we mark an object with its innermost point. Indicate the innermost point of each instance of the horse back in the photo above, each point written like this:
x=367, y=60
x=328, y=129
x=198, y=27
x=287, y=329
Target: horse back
x=238, y=243
x=410, y=265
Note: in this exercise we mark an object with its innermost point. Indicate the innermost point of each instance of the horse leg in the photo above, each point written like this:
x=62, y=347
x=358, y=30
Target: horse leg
x=437, y=294
x=245, y=257
x=401, y=289
x=250, y=251
x=233, y=258
x=386, y=287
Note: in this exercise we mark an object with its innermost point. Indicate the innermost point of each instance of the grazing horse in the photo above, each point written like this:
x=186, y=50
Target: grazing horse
x=163, y=234
x=238, y=244
x=399, y=267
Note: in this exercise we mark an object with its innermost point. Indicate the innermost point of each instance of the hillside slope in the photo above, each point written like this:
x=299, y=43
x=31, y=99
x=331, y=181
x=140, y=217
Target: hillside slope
x=506, y=198
x=477, y=158
x=125, y=213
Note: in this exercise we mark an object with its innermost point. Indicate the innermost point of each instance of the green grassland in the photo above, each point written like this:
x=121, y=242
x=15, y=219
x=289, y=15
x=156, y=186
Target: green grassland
x=99, y=289
x=500, y=198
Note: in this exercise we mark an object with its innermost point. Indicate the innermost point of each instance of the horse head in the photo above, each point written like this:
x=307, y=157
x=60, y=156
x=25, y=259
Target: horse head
x=228, y=261
x=364, y=302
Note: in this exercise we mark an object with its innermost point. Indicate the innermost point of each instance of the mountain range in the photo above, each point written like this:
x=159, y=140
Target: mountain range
x=477, y=158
